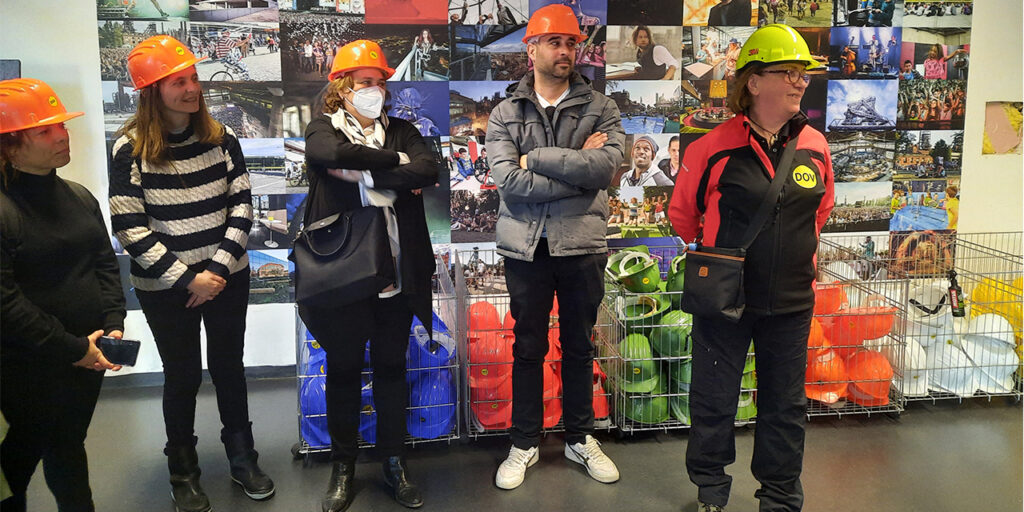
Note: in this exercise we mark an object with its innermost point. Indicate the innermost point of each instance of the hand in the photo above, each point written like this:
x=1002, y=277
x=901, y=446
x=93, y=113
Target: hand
x=595, y=141
x=346, y=175
x=417, y=191
x=116, y=334
x=205, y=286
x=93, y=358
x=522, y=161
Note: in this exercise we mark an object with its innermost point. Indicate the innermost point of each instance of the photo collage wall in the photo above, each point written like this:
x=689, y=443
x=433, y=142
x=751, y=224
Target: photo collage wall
x=890, y=97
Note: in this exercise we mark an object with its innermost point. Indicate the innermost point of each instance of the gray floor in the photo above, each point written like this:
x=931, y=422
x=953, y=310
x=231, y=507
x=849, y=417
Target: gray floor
x=949, y=456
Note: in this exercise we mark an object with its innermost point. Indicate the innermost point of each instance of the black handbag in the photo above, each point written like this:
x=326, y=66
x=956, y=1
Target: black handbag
x=343, y=258
x=713, y=279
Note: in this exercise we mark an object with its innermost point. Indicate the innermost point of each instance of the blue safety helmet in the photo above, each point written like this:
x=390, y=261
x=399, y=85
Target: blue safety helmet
x=432, y=405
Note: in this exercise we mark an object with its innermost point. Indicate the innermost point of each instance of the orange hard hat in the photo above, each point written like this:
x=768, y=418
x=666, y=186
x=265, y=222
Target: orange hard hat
x=600, y=397
x=870, y=374
x=490, y=358
x=828, y=298
x=358, y=55
x=29, y=103
x=483, y=316
x=493, y=405
x=158, y=57
x=826, y=378
x=553, y=19
x=817, y=343
x=508, y=323
x=552, y=396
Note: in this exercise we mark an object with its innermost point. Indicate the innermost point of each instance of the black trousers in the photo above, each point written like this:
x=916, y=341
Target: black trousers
x=342, y=332
x=49, y=412
x=579, y=282
x=719, y=348
x=176, y=331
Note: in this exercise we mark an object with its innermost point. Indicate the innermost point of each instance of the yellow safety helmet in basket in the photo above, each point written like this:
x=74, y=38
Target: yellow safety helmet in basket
x=773, y=44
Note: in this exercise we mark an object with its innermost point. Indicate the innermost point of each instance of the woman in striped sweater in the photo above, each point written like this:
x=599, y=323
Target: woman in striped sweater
x=180, y=205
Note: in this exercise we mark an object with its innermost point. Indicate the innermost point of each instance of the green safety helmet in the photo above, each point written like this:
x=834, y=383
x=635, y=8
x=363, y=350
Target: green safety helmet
x=681, y=408
x=639, y=313
x=680, y=372
x=746, y=409
x=674, y=281
x=749, y=380
x=748, y=364
x=671, y=337
x=639, y=273
x=614, y=261
x=649, y=409
x=773, y=44
x=641, y=372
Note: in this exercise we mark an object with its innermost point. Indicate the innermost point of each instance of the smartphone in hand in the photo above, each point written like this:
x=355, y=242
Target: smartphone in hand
x=122, y=352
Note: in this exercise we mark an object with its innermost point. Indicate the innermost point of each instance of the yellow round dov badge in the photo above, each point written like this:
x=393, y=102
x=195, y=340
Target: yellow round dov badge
x=373, y=55
x=52, y=101
x=804, y=176
x=179, y=50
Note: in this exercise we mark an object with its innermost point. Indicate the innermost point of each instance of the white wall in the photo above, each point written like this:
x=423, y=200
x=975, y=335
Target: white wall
x=992, y=186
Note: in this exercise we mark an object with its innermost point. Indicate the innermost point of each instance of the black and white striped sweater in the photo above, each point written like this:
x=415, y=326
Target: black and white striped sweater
x=180, y=218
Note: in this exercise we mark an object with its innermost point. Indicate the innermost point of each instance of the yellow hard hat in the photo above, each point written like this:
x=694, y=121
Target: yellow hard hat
x=775, y=43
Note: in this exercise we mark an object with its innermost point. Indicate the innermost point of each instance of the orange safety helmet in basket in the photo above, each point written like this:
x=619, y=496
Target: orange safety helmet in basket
x=842, y=333
x=490, y=359
x=158, y=57
x=359, y=54
x=828, y=298
x=493, y=405
x=553, y=19
x=483, y=316
x=870, y=375
x=29, y=103
x=817, y=343
x=826, y=378
x=601, y=409
x=552, y=397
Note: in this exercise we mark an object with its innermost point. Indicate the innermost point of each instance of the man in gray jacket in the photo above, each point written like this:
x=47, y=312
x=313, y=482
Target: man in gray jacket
x=554, y=145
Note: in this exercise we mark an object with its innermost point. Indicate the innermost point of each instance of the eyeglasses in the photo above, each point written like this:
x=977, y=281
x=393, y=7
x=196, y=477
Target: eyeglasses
x=792, y=75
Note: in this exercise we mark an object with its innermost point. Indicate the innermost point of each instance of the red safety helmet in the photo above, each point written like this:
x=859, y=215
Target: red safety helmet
x=870, y=375
x=826, y=378
x=29, y=103
x=490, y=359
x=493, y=405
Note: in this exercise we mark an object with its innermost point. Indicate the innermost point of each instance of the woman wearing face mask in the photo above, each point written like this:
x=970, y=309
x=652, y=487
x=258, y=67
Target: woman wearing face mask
x=180, y=205
x=61, y=292
x=357, y=156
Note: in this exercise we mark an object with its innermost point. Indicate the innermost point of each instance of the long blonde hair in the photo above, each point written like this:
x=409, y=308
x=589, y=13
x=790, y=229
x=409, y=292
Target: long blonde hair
x=147, y=131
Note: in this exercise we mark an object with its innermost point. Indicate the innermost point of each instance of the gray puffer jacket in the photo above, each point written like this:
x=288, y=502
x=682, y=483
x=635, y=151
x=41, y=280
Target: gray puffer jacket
x=563, y=187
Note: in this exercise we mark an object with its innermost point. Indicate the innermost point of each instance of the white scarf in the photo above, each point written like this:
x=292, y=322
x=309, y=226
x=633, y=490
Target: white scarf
x=343, y=121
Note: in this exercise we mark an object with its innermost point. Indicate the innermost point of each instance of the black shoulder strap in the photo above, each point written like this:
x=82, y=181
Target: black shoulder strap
x=772, y=197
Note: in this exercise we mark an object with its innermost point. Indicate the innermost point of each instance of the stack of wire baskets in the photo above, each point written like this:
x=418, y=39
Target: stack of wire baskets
x=486, y=349
x=433, y=375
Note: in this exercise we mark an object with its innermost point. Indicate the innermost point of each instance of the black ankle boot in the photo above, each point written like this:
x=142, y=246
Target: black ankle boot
x=339, y=490
x=244, y=468
x=183, y=463
x=406, y=494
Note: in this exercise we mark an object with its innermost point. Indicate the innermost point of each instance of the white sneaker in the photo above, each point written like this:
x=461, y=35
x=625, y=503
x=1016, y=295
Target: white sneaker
x=513, y=470
x=589, y=454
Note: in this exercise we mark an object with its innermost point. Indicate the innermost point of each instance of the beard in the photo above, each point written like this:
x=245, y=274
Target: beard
x=555, y=70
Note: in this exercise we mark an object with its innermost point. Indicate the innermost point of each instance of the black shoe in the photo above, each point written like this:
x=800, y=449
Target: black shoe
x=406, y=494
x=183, y=463
x=245, y=471
x=339, y=490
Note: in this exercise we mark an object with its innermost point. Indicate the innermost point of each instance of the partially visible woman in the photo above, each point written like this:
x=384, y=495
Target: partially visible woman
x=359, y=157
x=61, y=292
x=180, y=205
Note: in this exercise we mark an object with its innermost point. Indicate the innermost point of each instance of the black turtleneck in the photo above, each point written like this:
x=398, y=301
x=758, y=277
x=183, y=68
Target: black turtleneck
x=60, y=278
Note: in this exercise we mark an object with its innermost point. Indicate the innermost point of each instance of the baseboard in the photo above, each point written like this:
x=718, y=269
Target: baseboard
x=153, y=379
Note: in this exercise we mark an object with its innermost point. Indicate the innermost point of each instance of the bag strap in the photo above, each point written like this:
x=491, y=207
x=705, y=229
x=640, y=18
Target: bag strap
x=772, y=196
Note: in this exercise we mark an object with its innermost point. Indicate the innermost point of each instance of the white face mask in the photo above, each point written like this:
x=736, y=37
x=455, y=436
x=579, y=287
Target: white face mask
x=368, y=101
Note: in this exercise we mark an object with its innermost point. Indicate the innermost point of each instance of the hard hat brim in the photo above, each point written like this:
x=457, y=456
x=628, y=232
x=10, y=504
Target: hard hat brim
x=184, y=65
x=57, y=119
x=388, y=72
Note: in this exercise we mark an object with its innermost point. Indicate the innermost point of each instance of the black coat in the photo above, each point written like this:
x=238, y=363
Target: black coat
x=328, y=148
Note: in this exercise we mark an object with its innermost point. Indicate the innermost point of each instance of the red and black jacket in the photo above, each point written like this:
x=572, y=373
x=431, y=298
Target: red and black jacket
x=725, y=175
